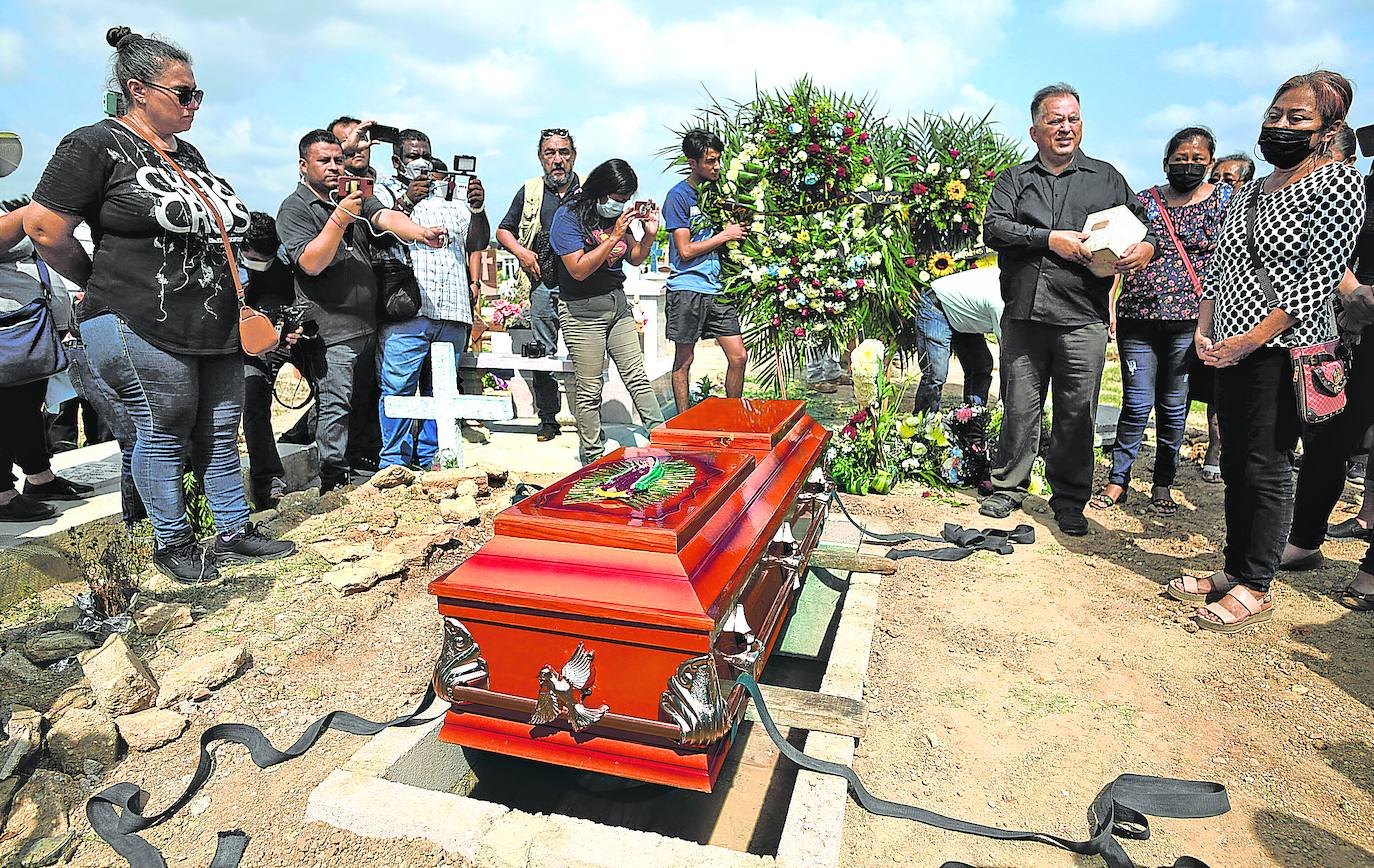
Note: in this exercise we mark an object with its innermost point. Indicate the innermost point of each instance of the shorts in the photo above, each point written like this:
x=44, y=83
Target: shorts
x=696, y=316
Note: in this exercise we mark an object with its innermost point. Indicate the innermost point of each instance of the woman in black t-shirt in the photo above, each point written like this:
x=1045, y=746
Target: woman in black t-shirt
x=591, y=236
x=160, y=313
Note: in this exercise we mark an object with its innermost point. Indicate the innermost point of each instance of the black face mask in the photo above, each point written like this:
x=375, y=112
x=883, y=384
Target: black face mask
x=1284, y=148
x=1185, y=177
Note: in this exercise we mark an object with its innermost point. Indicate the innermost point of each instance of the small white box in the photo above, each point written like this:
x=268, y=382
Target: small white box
x=1110, y=234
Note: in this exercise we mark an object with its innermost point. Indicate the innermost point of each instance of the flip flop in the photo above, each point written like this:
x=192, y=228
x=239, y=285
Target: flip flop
x=1356, y=601
x=1104, y=501
x=1165, y=506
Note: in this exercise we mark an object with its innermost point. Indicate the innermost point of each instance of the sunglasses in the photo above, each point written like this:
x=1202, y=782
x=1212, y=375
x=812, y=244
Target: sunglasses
x=554, y=131
x=184, y=95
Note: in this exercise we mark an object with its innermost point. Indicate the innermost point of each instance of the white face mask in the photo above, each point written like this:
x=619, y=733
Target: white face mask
x=256, y=264
x=610, y=209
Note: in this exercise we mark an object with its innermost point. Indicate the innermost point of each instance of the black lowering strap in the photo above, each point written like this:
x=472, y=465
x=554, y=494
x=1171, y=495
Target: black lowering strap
x=1120, y=809
x=115, y=813
x=962, y=541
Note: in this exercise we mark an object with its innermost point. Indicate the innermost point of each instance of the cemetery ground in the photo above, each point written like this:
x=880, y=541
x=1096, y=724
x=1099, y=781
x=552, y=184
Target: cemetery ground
x=1005, y=690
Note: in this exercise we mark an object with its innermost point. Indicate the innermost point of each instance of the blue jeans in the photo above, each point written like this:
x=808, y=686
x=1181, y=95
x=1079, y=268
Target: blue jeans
x=544, y=321
x=933, y=339
x=112, y=412
x=175, y=401
x=1154, y=375
x=403, y=349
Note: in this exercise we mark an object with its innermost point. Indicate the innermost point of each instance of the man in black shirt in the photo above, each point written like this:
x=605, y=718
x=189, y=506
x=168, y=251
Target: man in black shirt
x=529, y=217
x=1054, y=328
x=329, y=249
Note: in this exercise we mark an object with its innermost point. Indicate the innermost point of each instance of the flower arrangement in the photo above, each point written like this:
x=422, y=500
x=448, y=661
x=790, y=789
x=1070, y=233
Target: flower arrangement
x=848, y=215
x=511, y=315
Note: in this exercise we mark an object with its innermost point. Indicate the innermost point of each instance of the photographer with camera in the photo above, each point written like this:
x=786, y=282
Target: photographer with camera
x=271, y=289
x=524, y=231
x=589, y=234
x=447, y=297
x=357, y=144
x=331, y=259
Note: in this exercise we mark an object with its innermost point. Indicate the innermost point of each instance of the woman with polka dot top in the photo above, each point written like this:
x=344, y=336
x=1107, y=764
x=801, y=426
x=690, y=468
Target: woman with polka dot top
x=1308, y=213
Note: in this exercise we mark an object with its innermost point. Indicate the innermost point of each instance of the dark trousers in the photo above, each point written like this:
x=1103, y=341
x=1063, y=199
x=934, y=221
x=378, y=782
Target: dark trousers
x=1326, y=448
x=975, y=357
x=544, y=321
x=65, y=428
x=336, y=368
x=1154, y=375
x=1259, y=428
x=23, y=437
x=1038, y=357
x=264, y=461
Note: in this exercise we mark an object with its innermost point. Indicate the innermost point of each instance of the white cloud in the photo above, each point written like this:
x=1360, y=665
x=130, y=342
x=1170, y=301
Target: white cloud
x=1276, y=60
x=1213, y=113
x=1116, y=15
x=11, y=55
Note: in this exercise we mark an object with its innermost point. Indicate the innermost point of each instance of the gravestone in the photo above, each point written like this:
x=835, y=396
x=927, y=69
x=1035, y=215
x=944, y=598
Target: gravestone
x=447, y=407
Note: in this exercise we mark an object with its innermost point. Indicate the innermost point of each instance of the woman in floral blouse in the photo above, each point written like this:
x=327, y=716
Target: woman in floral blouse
x=1156, y=313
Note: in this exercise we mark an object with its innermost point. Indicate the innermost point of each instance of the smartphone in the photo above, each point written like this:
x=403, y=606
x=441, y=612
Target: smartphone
x=349, y=184
x=464, y=164
x=383, y=133
x=643, y=207
x=1365, y=136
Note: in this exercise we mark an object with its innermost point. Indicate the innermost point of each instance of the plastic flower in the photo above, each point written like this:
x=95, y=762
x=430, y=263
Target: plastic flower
x=867, y=357
x=964, y=173
x=941, y=264
x=801, y=333
x=955, y=191
x=934, y=169
x=794, y=128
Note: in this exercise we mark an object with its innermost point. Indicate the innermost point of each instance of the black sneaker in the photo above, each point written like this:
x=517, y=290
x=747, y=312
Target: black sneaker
x=998, y=506
x=1072, y=523
x=547, y=431
x=58, y=489
x=21, y=507
x=249, y=545
x=1357, y=469
x=189, y=563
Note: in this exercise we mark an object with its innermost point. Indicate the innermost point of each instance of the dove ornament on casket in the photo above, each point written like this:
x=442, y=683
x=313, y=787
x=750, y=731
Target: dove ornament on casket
x=561, y=694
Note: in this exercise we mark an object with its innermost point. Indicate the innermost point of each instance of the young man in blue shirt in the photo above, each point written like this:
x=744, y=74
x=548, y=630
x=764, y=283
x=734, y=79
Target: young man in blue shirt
x=695, y=311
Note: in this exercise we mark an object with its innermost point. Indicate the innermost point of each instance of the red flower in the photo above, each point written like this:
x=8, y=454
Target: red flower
x=772, y=131
x=839, y=293
x=863, y=137
x=859, y=418
x=815, y=282
x=788, y=110
x=859, y=284
x=813, y=120
x=954, y=152
x=805, y=311
x=796, y=283
x=920, y=189
x=849, y=116
x=776, y=321
x=793, y=261
x=909, y=262
x=868, y=161
x=989, y=174
x=841, y=172
x=843, y=149
x=813, y=149
x=849, y=432
x=786, y=173
x=968, y=206
x=912, y=158
x=801, y=333
x=848, y=131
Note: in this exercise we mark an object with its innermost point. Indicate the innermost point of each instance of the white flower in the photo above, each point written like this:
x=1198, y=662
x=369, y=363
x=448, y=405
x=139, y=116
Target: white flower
x=784, y=272
x=887, y=232
x=799, y=157
x=757, y=226
x=858, y=233
x=958, y=218
x=964, y=174
x=818, y=327
x=875, y=258
x=812, y=292
x=867, y=356
x=869, y=180
x=934, y=168
x=924, y=276
x=887, y=185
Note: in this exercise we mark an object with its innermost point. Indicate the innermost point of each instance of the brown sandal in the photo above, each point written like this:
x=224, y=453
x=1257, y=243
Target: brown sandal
x=1257, y=611
x=1355, y=601
x=1187, y=590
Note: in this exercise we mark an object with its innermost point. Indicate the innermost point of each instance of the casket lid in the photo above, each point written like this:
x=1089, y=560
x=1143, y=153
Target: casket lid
x=644, y=499
x=721, y=423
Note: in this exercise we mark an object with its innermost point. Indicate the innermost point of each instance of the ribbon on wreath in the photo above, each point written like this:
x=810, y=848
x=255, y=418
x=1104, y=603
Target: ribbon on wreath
x=739, y=209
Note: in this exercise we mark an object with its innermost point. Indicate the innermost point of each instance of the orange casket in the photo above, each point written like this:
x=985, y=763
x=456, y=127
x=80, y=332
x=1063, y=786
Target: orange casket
x=605, y=623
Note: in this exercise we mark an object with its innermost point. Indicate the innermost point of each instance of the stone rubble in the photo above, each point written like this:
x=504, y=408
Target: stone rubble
x=195, y=678
x=119, y=680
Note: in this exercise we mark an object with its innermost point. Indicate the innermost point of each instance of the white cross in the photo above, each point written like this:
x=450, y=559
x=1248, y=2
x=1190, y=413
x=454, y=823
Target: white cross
x=448, y=406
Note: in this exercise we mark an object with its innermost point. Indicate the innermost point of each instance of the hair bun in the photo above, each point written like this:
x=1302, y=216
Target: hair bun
x=117, y=36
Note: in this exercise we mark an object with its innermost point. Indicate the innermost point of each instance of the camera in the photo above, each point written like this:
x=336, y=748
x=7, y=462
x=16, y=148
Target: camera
x=349, y=184
x=533, y=350
x=294, y=316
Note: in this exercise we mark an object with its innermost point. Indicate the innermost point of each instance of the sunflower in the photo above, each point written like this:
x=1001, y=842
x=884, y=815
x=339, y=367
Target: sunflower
x=955, y=191
x=941, y=264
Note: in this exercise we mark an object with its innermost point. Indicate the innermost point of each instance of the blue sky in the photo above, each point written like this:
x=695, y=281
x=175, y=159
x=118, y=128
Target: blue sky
x=485, y=77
